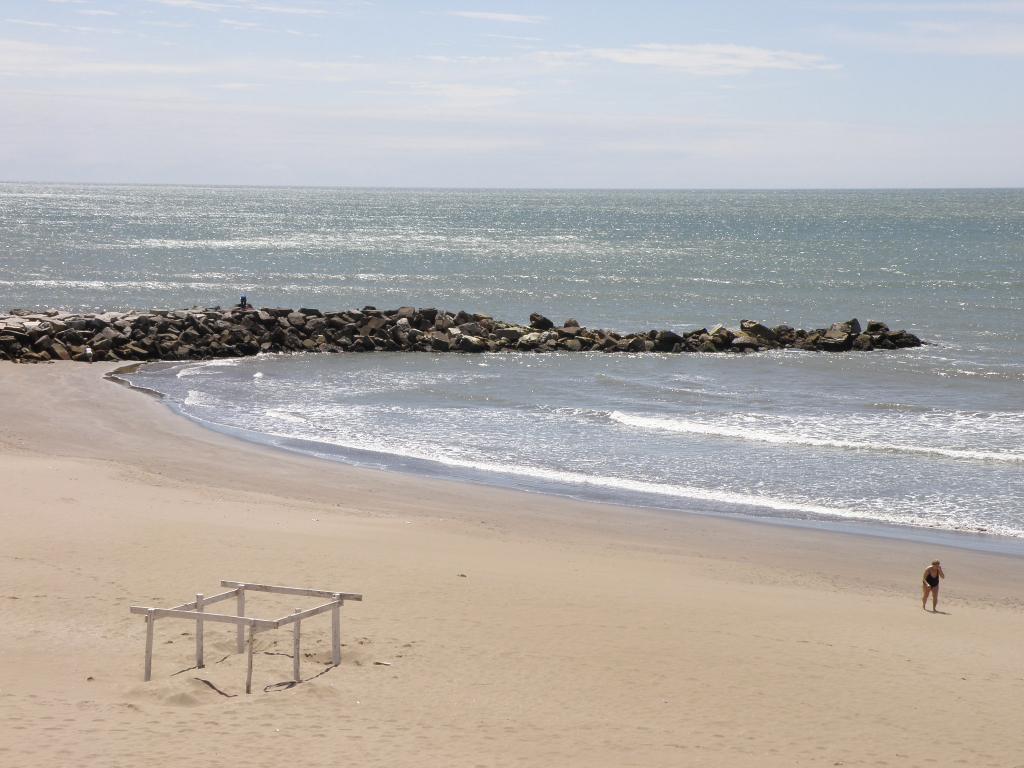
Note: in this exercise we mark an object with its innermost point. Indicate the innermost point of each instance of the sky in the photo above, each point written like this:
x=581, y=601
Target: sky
x=471, y=93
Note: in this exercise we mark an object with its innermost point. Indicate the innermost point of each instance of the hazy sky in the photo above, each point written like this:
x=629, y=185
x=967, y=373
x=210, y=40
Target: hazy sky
x=544, y=94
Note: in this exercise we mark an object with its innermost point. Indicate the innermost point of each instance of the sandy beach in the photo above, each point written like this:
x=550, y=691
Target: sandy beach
x=511, y=628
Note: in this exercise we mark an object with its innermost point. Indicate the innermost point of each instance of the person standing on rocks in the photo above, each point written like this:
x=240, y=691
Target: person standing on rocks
x=930, y=584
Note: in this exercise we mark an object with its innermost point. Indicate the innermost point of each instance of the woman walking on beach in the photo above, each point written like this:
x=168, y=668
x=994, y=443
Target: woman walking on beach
x=930, y=583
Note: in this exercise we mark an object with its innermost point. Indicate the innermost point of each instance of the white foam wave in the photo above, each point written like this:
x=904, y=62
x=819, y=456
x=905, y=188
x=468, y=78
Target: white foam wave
x=754, y=434
x=925, y=518
x=294, y=418
x=201, y=368
x=199, y=399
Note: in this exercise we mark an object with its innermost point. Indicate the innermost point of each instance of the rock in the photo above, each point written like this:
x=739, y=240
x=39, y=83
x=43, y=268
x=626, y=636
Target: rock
x=849, y=327
x=863, y=343
x=722, y=334
x=60, y=351
x=107, y=335
x=510, y=334
x=439, y=341
x=784, y=334
x=838, y=332
x=876, y=327
x=372, y=324
x=902, y=339
x=468, y=343
x=836, y=341
x=757, y=331
x=209, y=333
x=540, y=322
x=745, y=341
x=666, y=341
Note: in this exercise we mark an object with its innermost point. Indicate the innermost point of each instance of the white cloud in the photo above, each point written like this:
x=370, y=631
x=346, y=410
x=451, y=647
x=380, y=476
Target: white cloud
x=707, y=59
x=507, y=18
x=979, y=7
x=96, y=12
x=237, y=86
x=100, y=30
x=293, y=10
x=167, y=24
x=950, y=39
x=244, y=5
x=466, y=96
x=236, y=24
x=51, y=25
x=30, y=23
x=472, y=60
x=197, y=5
x=519, y=38
x=23, y=59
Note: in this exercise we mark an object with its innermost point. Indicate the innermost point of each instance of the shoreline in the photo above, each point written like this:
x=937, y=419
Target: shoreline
x=412, y=467
x=515, y=627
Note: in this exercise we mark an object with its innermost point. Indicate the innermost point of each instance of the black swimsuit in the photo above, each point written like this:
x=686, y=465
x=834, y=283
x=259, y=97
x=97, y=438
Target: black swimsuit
x=931, y=581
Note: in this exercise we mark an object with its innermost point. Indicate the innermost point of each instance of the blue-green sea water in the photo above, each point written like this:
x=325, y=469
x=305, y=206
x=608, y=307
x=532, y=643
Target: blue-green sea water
x=928, y=438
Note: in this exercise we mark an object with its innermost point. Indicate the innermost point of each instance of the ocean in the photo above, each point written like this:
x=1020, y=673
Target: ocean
x=917, y=442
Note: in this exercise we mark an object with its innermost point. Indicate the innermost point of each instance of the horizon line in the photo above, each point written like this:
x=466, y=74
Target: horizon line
x=524, y=188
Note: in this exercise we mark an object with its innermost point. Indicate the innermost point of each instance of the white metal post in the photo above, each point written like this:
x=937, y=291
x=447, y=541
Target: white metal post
x=240, y=631
x=296, y=649
x=248, y=669
x=336, y=631
x=199, y=632
x=150, y=621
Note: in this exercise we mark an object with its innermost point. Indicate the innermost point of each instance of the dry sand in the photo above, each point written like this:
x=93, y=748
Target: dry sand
x=579, y=635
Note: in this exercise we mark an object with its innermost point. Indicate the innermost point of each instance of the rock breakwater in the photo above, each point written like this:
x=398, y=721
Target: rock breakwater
x=201, y=334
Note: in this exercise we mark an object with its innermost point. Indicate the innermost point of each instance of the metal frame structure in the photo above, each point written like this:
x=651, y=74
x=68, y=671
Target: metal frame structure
x=196, y=612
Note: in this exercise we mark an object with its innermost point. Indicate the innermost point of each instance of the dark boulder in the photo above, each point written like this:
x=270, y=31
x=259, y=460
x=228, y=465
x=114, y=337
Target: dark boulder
x=467, y=343
x=863, y=343
x=744, y=341
x=834, y=341
x=876, y=327
x=757, y=330
x=666, y=341
x=540, y=322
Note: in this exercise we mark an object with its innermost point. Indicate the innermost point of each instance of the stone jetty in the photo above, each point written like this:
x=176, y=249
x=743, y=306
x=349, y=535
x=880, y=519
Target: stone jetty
x=202, y=334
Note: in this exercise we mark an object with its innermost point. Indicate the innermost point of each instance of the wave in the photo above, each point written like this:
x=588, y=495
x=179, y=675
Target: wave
x=202, y=368
x=293, y=429
x=798, y=509
x=688, y=426
x=290, y=416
